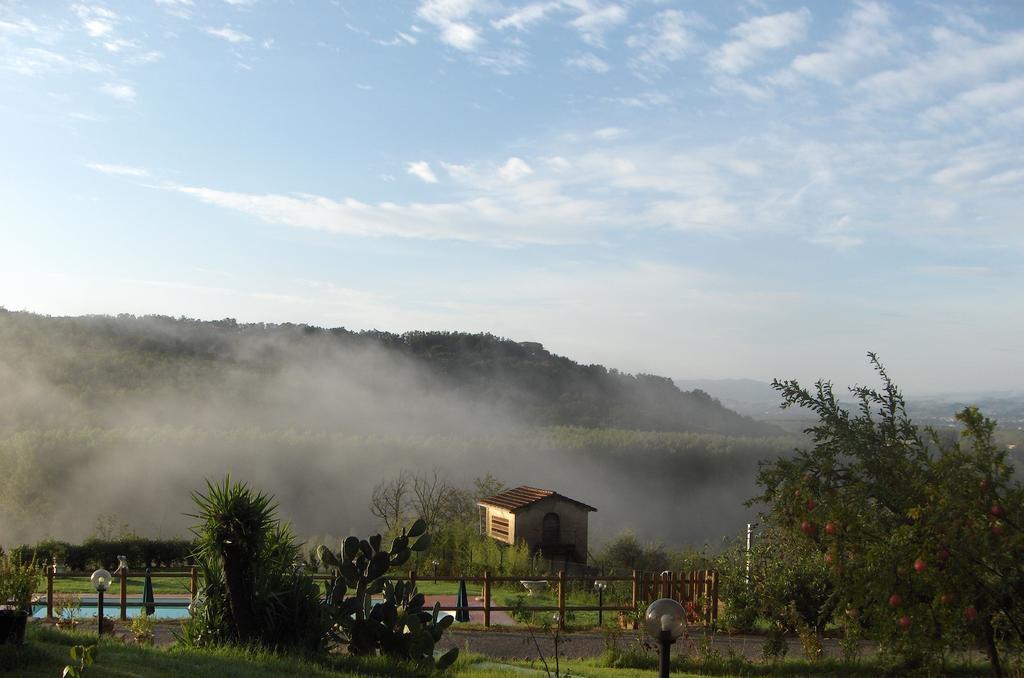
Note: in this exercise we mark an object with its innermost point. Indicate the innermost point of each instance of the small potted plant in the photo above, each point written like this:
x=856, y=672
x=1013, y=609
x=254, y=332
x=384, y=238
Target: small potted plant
x=17, y=584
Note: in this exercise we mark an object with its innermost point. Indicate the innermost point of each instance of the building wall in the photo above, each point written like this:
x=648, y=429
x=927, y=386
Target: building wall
x=573, y=521
x=493, y=511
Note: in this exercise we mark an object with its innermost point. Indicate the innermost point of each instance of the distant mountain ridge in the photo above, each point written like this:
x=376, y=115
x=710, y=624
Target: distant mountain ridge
x=100, y=363
x=759, y=400
x=750, y=397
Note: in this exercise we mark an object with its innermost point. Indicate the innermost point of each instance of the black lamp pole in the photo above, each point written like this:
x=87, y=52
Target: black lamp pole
x=99, y=609
x=600, y=606
x=665, y=655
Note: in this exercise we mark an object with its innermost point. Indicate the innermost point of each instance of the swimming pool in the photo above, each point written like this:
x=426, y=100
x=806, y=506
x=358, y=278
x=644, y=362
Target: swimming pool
x=170, y=607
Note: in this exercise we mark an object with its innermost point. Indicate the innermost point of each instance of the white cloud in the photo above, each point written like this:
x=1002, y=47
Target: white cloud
x=118, y=44
x=982, y=101
x=514, y=169
x=37, y=60
x=954, y=270
x=588, y=62
x=421, y=170
x=557, y=163
x=1015, y=176
x=97, y=20
x=941, y=209
x=596, y=19
x=524, y=17
x=18, y=26
x=867, y=36
x=699, y=214
x=460, y=36
x=527, y=213
x=609, y=133
x=179, y=8
x=644, y=100
x=97, y=27
x=756, y=36
x=450, y=17
x=667, y=39
x=837, y=241
x=227, y=33
x=956, y=62
x=119, y=91
x=122, y=170
x=970, y=165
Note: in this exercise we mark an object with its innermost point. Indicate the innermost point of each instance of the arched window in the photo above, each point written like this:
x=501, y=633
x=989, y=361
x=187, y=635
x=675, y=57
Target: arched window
x=551, y=530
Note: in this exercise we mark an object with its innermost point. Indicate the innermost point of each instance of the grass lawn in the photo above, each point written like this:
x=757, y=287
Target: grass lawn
x=175, y=585
x=46, y=654
x=574, y=620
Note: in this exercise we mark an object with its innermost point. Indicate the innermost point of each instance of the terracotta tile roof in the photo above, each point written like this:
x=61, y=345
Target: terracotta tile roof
x=522, y=496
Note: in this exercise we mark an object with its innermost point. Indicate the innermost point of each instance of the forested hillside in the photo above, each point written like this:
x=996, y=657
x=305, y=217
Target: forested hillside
x=123, y=416
x=72, y=370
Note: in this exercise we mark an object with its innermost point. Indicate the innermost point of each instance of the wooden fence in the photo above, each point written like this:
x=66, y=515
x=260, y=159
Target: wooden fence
x=121, y=578
x=697, y=591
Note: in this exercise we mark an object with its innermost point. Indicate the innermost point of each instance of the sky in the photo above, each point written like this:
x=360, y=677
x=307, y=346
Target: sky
x=698, y=190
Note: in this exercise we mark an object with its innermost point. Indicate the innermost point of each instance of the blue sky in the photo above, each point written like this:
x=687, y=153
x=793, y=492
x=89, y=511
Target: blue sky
x=755, y=189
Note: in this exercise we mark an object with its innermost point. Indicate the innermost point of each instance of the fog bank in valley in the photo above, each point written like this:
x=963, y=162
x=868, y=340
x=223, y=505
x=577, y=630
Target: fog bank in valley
x=317, y=422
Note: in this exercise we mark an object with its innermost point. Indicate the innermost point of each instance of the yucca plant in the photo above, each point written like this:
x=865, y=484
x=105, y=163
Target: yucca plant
x=237, y=523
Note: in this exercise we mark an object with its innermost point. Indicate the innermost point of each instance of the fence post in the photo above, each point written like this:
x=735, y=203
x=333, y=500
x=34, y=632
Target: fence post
x=634, y=600
x=561, y=599
x=487, y=599
x=193, y=584
x=50, y=572
x=714, y=599
x=124, y=594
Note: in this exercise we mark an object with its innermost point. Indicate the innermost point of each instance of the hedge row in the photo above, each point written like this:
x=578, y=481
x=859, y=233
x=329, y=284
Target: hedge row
x=93, y=553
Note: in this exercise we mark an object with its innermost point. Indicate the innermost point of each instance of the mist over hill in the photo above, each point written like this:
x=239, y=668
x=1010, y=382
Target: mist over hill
x=124, y=416
x=94, y=363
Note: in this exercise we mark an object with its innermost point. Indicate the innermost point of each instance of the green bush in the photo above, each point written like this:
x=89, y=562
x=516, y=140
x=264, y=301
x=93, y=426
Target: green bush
x=788, y=584
x=93, y=553
x=253, y=590
x=18, y=581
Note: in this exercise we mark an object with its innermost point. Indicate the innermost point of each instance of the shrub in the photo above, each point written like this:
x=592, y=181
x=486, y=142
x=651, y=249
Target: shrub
x=142, y=628
x=93, y=552
x=18, y=581
x=921, y=534
x=253, y=589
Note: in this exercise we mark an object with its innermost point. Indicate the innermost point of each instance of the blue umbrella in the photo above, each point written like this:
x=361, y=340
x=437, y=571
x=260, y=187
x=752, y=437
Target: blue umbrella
x=147, y=594
x=461, y=603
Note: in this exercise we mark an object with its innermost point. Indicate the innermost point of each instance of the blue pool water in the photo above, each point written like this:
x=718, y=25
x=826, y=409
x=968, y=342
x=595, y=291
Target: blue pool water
x=112, y=608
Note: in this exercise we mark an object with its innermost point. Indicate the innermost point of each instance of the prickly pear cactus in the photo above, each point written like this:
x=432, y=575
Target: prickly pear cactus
x=398, y=625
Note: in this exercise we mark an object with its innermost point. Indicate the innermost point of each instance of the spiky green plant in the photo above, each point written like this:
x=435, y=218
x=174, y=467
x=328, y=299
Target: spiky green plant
x=398, y=626
x=252, y=591
x=236, y=524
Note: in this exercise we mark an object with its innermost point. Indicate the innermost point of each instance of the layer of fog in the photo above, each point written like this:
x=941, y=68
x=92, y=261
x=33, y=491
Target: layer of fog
x=317, y=425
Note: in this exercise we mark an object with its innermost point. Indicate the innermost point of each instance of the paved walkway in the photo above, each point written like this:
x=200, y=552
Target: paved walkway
x=449, y=603
x=517, y=644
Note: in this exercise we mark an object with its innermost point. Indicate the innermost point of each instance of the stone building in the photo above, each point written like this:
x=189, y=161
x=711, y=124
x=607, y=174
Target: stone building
x=551, y=524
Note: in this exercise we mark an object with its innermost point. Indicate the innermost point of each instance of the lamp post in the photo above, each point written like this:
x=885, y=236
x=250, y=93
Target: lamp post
x=600, y=586
x=100, y=580
x=665, y=621
x=435, y=564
